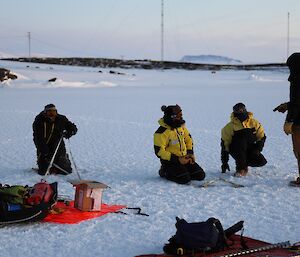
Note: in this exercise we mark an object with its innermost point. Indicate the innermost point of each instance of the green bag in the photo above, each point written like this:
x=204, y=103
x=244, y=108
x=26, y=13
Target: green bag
x=14, y=194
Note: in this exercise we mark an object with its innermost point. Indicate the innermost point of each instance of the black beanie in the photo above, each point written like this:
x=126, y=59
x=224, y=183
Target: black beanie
x=170, y=113
x=50, y=107
x=171, y=110
x=239, y=108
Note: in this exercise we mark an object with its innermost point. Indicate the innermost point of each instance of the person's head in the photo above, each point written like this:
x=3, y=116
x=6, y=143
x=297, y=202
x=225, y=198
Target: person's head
x=293, y=62
x=50, y=111
x=173, y=115
x=240, y=111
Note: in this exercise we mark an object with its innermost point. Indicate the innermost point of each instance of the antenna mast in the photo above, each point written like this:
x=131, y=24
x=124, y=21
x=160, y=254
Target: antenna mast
x=162, y=31
x=29, y=45
x=288, y=36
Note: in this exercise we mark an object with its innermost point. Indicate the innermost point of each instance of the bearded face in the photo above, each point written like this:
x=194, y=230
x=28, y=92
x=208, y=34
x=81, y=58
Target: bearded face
x=51, y=115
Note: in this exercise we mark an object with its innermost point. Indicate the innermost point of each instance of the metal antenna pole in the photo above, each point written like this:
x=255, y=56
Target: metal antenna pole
x=162, y=31
x=288, y=36
x=29, y=45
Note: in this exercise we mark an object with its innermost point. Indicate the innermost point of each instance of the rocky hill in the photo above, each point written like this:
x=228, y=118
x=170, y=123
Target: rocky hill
x=145, y=64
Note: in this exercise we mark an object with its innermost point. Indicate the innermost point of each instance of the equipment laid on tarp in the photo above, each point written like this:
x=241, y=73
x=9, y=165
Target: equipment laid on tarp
x=23, y=203
x=66, y=213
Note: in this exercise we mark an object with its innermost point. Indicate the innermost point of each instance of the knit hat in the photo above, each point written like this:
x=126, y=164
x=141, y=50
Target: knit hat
x=171, y=111
x=239, y=108
x=50, y=107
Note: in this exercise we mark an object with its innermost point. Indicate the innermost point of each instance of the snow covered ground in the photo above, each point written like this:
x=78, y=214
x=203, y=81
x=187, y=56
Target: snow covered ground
x=116, y=116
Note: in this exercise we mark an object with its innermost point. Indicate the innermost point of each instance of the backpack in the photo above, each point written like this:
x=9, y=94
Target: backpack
x=14, y=194
x=40, y=192
x=23, y=203
x=207, y=236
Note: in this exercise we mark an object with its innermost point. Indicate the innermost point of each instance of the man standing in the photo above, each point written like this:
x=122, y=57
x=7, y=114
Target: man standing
x=292, y=121
x=48, y=129
x=243, y=138
x=173, y=145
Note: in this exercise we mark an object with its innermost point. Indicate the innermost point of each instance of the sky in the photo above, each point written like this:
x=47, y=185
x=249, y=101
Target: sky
x=250, y=31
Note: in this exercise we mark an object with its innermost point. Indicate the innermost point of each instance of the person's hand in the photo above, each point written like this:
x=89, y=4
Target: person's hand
x=184, y=159
x=281, y=108
x=192, y=158
x=225, y=167
x=287, y=128
x=67, y=134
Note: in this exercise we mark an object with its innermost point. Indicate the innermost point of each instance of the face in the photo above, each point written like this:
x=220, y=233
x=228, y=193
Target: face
x=51, y=114
x=178, y=116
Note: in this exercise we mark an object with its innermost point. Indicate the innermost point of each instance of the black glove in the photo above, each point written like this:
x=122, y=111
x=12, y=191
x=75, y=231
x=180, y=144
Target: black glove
x=225, y=167
x=67, y=134
x=259, y=145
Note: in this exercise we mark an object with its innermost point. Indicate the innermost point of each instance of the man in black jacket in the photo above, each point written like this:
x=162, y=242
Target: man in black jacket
x=292, y=121
x=48, y=129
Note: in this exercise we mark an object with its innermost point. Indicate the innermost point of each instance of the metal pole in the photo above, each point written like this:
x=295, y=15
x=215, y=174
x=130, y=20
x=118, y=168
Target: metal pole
x=29, y=45
x=53, y=157
x=162, y=31
x=288, y=36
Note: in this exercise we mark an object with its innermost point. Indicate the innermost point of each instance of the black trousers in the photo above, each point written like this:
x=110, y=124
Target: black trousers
x=61, y=161
x=182, y=174
x=296, y=143
x=245, y=153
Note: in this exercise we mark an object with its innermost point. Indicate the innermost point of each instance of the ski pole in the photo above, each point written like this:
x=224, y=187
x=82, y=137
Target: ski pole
x=53, y=157
x=72, y=158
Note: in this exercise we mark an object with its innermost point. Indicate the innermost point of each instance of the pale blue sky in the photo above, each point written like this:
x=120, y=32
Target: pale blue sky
x=252, y=31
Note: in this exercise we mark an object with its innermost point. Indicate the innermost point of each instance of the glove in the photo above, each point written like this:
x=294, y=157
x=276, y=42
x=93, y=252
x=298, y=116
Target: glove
x=67, y=134
x=259, y=145
x=287, y=128
x=225, y=167
x=184, y=160
x=281, y=108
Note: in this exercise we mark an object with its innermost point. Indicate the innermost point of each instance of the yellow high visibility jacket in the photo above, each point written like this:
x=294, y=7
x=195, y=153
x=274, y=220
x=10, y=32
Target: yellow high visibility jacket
x=170, y=143
x=235, y=125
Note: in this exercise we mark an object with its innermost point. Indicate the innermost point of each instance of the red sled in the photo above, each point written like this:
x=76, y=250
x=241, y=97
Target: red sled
x=256, y=248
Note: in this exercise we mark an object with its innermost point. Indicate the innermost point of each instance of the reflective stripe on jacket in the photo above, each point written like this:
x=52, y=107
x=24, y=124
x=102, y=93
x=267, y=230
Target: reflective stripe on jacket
x=170, y=143
x=236, y=125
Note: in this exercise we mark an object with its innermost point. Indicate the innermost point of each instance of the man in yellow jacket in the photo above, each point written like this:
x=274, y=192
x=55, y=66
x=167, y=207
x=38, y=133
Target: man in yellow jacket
x=243, y=138
x=173, y=145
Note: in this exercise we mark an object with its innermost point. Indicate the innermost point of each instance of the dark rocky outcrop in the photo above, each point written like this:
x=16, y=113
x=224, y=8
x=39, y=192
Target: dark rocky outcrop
x=6, y=74
x=52, y=80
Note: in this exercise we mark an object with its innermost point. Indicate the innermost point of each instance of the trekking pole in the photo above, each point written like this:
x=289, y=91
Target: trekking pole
x=72, y=158
x=53, y=157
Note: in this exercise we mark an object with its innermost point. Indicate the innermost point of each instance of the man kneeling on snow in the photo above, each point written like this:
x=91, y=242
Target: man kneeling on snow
x=48, y=129
x=243, y=138
x=173, y=144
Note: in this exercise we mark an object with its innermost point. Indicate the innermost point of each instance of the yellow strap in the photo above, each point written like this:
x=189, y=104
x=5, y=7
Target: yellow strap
x=45, y=132
x=179, y=251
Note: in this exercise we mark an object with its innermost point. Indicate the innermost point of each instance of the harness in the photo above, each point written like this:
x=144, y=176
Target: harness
x=45, y=132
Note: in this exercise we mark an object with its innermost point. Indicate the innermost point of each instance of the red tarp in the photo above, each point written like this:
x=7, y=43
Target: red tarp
x=71, y=215
x=251, y=243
